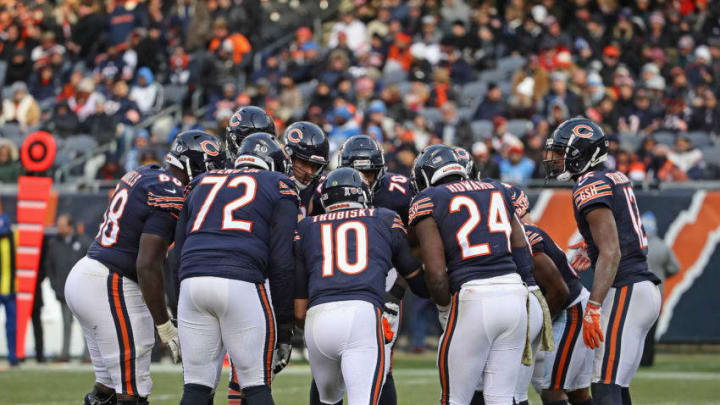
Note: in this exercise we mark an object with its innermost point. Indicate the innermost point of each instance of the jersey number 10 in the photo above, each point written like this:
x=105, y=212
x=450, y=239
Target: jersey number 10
x=336, y=252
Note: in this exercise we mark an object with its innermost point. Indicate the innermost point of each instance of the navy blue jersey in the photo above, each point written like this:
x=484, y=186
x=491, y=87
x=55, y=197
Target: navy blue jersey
x=146, y=200
x=540, y=242
x=612, y=189
x=346, y=255
x=239, y=224
x=474, y=222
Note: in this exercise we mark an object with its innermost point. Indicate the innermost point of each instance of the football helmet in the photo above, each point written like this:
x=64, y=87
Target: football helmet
x=195, y=152
x=363, y=153
x=435, y=163
x=576, y=146
x=345, y=188
x=261, y=150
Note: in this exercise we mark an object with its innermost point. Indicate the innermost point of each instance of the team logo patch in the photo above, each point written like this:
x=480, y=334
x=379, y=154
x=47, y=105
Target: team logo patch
x=210, y=148
x=586, y=134
x=295, y=135
x=235, y=119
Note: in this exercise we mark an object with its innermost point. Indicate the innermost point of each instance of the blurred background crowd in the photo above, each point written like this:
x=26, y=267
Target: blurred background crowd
x=115, y=81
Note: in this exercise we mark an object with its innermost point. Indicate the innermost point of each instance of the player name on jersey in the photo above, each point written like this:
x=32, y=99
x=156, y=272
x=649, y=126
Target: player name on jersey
x=338, y=215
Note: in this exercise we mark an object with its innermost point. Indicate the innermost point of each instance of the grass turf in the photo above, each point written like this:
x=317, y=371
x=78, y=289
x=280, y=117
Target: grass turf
x=686, y=379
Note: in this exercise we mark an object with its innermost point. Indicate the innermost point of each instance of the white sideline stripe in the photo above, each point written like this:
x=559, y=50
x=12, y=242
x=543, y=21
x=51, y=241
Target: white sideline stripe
x=28, y=250
x=32, y=204
x=30, y=227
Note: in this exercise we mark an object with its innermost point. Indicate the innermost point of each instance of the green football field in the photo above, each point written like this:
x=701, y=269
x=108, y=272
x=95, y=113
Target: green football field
x=675, y=379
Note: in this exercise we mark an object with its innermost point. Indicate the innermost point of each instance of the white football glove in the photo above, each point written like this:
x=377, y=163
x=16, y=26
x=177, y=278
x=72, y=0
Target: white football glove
x=443, y=313
x=169, y=335
x=391, y=315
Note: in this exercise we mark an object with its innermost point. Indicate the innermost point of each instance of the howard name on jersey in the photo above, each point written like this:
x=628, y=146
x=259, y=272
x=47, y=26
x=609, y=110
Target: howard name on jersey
x=146, y=200
x=392, y=192
x=474, y=221
x=225, y=228
x=612, y=189
x=345, y=255
x=540, y=242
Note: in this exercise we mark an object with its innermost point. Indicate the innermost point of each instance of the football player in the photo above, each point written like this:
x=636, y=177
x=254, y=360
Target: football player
x=246, y=121
x=548, y=295
x=624, y=301
x=391, y=191
x=309, y=149
x=116, y=291
x=474, y=248
x=343, y=258
x=235, y=231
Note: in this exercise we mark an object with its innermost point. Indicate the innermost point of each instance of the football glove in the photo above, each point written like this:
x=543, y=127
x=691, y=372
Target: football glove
x=592, y=326
x=169, y=336
x=390, y=320
x=581, y=261
x=284, y=347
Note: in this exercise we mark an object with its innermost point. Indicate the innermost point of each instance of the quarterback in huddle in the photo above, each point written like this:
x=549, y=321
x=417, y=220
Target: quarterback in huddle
x=268, y=243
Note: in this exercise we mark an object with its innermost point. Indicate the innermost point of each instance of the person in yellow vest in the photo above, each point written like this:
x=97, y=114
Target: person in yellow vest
x=7, y=285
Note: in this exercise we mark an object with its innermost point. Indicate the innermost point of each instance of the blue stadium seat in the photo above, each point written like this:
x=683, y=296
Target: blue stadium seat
x=174, y=94
x=519, y=127
x=712, y=155
x=510, y=64
x=78, y=145
x=394, y=76
x=700, y=139
x=494, y=75
x=13, y=132
x=664, y=138
x=472, y=94
x=433, y=115
x=632, y=141
x=482, y=129
x=307, y=89
x=465, y=113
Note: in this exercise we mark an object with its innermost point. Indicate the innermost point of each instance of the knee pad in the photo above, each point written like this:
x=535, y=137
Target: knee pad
x=194, y=394
x=98, y=398
x=258, y=395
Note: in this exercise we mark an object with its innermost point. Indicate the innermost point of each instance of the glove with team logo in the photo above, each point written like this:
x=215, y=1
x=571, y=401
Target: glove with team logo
x=169, y=336
x=284, y=347
x=443, y=313
x=581, y=261
x=592, y=326
x=390, y=320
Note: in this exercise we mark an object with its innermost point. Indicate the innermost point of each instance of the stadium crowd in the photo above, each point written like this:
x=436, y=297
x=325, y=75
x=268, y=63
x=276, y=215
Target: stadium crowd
x=493, y=77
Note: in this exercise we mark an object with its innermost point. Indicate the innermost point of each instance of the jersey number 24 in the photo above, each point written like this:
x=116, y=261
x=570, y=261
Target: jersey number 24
x=498, y=222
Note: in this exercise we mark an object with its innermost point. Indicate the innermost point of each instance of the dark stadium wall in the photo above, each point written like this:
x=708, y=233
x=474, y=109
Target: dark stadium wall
x=688, y=220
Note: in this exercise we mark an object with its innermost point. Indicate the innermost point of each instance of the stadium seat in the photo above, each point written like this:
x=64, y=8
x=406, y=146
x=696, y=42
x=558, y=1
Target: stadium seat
x=13, y=132
x=510, y=64
x=78, y=145
x=519, y=127
x=700, y=139
x=472, y=94
x=433, y=115
x=664, y=138
x=712, y=155
x=404, y=87
x=3, y=71
x=482, y=129
x=307, y=89
x=394, y=76
x=631, y=141
x=174, y=94
x=494, y=75
x=465, y=113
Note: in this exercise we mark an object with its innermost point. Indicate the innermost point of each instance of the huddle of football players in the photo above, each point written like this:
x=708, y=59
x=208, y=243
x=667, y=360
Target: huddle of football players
x=266, y=242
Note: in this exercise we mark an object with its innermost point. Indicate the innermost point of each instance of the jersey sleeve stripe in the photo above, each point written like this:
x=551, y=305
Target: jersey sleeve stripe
x=599, y=184
x=604, y=194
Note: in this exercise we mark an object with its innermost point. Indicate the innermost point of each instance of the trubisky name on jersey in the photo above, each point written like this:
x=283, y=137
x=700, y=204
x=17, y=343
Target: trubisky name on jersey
x=347, y=214
x=468, y=185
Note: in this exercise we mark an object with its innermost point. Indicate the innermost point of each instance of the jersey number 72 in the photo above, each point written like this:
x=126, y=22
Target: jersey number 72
x=228, y=222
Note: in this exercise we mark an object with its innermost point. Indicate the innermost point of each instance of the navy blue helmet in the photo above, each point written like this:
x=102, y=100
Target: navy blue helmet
x=363, y=153
x=435, y=163
x=576, y=146
x=467, y=161
x=261, y=150
x=195, y=152
x=246, y=120
x=345, y=188
x=306, y=141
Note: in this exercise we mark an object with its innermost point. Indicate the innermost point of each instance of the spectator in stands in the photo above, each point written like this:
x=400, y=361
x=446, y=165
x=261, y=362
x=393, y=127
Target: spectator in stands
x=687, y=158
x=399, y=55
x=344, y=126
x=559, y=91
x=19, y=67
x=21, y=107
x=290, y=98
x=43, y=85
x=453, y=130
x=100, y=125
x=63, y=251
x=321, y=97
x=83, y=101
x=188, y=122
x=9, y=164
x=377, y=124
x=235, y=45
x=677, y=116
x=353, y=29
x=501, y=138
x=492, y=105
x=146, y=92
x=700, y=71
x=516, y=168
x=487, y=166
x=64, y=122
x=7, y=290
x=125, y=110
x=705, y=113
x=441, y=91
x=661, y=262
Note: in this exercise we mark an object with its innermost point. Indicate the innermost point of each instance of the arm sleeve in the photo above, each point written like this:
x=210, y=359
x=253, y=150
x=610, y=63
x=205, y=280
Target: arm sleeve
x=301, y=278
x=281, y=265
x=537, y=243
x=591, y=194
x=403, y=260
